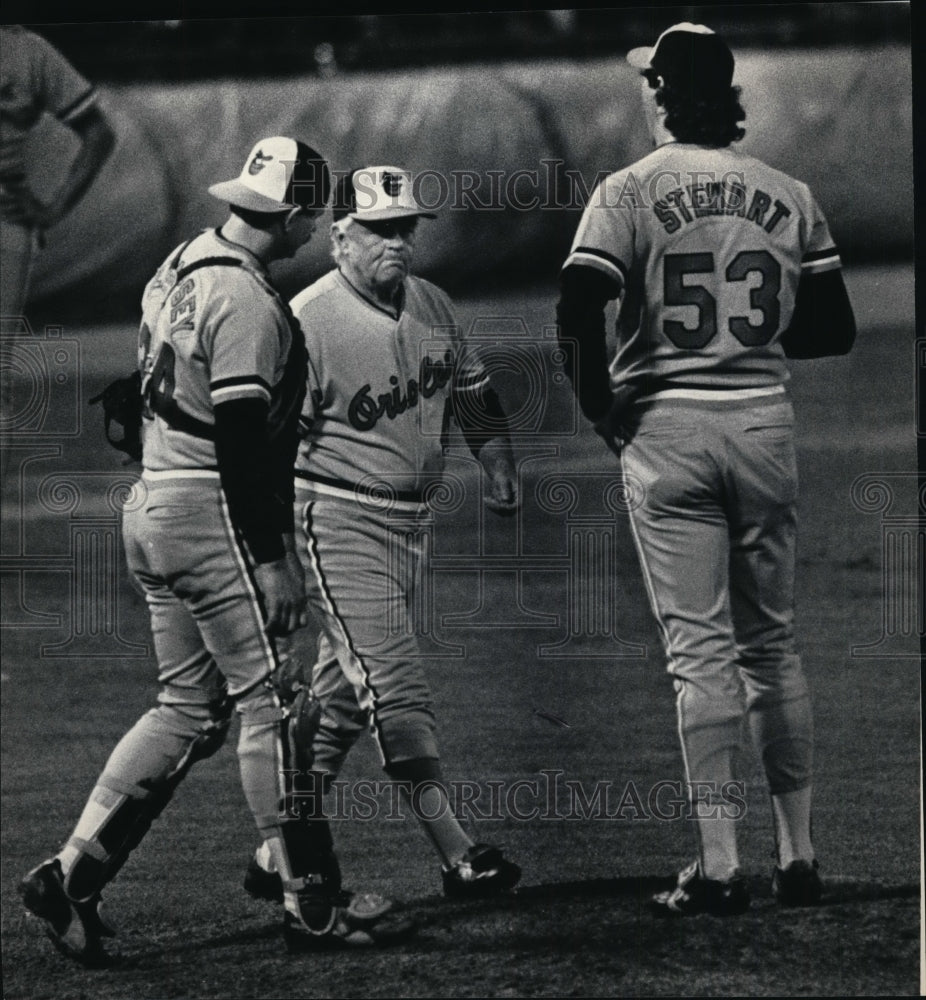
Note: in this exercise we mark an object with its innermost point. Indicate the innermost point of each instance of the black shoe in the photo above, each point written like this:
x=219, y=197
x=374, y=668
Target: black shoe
x=261, y=884
x=74, y=928
x=695, y=894
x=798, y=884
x=482, y=871
x=346, y=920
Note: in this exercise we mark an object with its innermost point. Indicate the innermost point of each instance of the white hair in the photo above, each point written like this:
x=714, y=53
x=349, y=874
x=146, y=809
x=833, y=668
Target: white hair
x=341, y=226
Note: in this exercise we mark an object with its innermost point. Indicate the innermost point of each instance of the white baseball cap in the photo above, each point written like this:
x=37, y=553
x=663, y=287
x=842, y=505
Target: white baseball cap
x=370, y=194
x=279, y=174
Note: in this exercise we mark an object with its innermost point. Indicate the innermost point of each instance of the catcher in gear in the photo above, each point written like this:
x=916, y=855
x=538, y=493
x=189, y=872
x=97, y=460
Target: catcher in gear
x=722, y=270
x=387, y=370
x=210, y=543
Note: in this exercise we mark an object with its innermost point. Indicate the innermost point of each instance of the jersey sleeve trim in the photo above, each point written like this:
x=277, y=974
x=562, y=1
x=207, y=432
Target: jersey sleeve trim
x=76, y=108
x=601, y=260
x=470, y=382
x=821, y=260
x=239, y=387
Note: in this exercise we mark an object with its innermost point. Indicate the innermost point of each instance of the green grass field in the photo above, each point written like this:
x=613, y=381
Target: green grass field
x=579, y=924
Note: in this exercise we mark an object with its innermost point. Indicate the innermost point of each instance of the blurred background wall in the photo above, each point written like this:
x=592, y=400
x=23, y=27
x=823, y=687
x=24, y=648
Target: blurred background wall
x=507, y=120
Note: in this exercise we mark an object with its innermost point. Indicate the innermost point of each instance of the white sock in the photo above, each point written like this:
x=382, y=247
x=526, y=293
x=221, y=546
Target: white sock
x=264, y=857
x=792, y=826
x=719, y=855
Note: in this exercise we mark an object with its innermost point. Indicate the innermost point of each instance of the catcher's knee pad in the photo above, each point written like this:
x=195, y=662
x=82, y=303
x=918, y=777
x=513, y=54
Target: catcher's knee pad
x=165, y=743
x=140, y=779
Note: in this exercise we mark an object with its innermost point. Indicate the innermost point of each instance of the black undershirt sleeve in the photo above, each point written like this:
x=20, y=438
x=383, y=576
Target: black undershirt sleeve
x=250, y=469
x=823, y=324
x=580, y=315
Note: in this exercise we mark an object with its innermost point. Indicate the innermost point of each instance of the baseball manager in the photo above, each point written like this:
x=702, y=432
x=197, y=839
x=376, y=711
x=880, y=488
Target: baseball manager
x=387, y=370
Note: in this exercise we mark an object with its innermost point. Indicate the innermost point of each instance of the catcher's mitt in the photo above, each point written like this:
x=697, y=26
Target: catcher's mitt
x=122, y=405
x=305, y=714
x=291, y=682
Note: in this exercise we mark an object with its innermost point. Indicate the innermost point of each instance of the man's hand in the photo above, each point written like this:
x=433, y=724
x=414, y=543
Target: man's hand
x=502, y=493
x=608, y=427
x=282, y=584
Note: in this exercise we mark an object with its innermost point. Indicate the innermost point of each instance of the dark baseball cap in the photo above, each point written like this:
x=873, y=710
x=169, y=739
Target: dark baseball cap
x=688, y=56
x=371, y=194
x=279, y=174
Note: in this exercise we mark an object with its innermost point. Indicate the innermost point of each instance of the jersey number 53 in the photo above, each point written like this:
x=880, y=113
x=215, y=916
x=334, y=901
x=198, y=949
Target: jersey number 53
x=762, y=298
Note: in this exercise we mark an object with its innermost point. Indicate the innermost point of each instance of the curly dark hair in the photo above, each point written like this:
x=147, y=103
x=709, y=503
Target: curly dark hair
x=707, y=120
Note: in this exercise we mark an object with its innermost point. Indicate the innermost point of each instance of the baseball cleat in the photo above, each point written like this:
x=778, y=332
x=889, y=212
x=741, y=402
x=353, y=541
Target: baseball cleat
x=345, y=920
x=695, y=894
x=75, y=928
x=798, y=884
x=482, y=871
x=261, y=884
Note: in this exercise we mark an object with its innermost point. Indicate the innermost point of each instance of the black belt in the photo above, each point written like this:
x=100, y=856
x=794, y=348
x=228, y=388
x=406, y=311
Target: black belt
x=385, y=491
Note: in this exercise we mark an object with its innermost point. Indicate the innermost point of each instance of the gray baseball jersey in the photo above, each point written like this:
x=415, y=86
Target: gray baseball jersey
x=707, y=246
x=379, y=386
x=375, y=424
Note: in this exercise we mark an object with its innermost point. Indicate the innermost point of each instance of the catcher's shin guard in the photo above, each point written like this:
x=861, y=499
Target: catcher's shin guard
x=310, y=848
x=298, y=848
x=120, y=812
x=309, y=853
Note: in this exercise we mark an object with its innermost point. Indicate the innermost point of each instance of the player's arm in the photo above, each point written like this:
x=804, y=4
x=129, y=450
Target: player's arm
x=479, y=413
x=63, y=92
x=20, y=205
x=484, y=424
x=97, y=141
x=293, y=390
x=241, y=338
x=250, y=477
x=580, y=315
x=248, y=469
x=823, y=323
